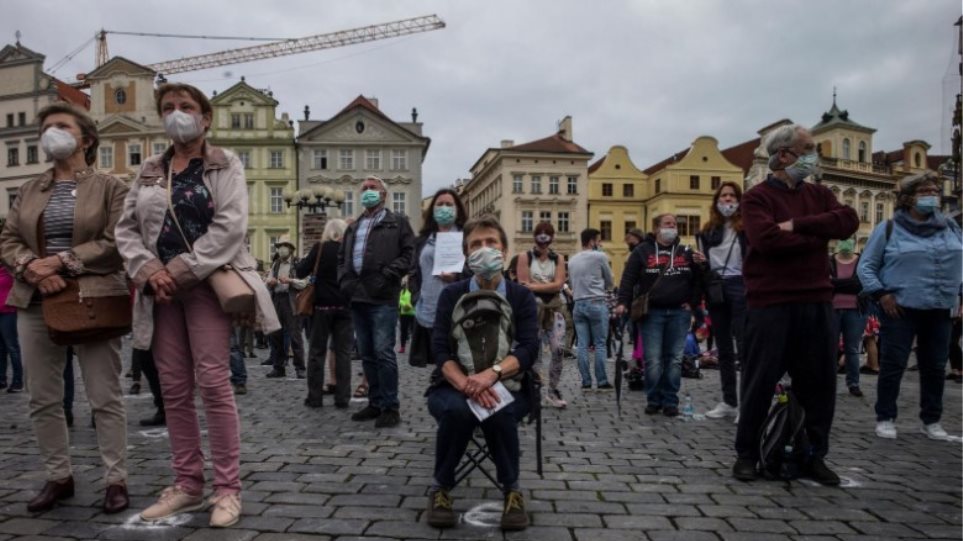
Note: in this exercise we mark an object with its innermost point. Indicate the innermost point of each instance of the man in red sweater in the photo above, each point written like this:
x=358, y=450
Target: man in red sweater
x=788, y=223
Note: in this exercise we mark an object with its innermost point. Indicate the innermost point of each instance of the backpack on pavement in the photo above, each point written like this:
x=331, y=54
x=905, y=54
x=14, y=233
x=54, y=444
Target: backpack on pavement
x=783, y=444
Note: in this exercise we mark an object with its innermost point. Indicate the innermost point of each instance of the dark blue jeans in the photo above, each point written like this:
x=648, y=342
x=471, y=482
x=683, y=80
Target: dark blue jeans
x=374, y=328
x=238, y=368
x=456, y=423
x=728, y=323
x=931, y=328
x=663, y=337
x=10, y=346
x=851, y=324
x=592, y=326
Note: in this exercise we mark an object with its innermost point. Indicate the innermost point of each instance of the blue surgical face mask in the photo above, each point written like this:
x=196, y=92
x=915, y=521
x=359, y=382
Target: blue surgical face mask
x=805, y=165
x=445, y=215
x=370, y=198
x=927, y=204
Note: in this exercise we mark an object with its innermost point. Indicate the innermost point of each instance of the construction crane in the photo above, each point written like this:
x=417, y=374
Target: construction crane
x=277, y=47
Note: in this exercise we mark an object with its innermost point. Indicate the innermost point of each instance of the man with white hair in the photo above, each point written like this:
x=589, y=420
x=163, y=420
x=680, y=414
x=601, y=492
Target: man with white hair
x=376, y=253
x=789, y=321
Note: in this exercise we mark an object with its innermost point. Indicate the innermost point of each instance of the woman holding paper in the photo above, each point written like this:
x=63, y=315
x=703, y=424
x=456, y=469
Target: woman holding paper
x=445, y=215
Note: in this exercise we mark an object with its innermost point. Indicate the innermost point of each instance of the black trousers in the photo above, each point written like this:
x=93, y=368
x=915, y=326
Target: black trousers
x=142, y=360
x=728, y=321
x=794, y=338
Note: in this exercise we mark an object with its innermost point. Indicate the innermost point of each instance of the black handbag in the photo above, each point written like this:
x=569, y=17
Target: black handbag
x=640, y=305
x=715, y=289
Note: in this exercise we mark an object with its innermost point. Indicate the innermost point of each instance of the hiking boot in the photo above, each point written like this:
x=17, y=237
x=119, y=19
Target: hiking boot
x=227, y=510
x=366, y=414
x=670, y=411
x=172, y=501
x=934, y=431
x=722, y=410
x=388, y=419
x=855, y=391
x=513, y=515
x=440, y=513
x=819, y=472
x=652, y=409
x=745, y=469
x=554, y=398
x=276, y=374
x=240, y=388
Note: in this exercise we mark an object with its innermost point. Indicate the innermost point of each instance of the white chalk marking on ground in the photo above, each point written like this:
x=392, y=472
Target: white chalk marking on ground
x=848, y=482
x=484, y=515
x=154, y=433
x=134, y=522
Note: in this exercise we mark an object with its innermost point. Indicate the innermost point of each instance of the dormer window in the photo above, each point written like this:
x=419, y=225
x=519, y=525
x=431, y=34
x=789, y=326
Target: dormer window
x=918, y=160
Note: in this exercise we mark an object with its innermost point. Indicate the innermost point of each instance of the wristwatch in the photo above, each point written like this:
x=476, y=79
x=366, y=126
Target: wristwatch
x=497, y=368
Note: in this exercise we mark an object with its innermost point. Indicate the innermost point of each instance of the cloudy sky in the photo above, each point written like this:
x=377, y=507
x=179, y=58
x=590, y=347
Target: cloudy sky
x=650, y=75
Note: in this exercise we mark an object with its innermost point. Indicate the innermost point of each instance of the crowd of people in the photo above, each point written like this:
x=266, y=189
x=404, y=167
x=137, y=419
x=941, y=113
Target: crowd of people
x=761, y=271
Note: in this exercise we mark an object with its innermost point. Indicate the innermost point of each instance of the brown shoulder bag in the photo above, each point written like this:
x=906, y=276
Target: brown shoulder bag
x=304, y=302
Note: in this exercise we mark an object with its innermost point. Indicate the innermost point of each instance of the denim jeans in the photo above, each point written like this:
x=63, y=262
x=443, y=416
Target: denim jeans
x=592, y=323
x=456, y=423
x=931, y=328
x=663, y=335
x=728, y=323
x=9, y=345
x=851, y=324
x=374, y=328
x=238, y=368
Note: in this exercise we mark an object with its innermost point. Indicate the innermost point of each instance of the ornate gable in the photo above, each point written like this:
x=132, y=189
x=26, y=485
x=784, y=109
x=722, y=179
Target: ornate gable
x=122, y=125
x=119, y=65
x=18, y=54
x=360, y=126
x=243, y=92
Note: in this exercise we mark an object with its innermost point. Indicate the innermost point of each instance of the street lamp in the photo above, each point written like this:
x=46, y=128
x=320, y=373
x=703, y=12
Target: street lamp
x=316, y=200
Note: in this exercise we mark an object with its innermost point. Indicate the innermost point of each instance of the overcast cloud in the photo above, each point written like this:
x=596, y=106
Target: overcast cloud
x=650, y=75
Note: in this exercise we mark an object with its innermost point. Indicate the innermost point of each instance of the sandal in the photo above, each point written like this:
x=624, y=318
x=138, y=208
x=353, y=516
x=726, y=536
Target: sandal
x=361, y=391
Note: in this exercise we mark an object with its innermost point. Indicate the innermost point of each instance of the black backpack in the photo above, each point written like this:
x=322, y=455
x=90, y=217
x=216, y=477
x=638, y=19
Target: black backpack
x=783, y=444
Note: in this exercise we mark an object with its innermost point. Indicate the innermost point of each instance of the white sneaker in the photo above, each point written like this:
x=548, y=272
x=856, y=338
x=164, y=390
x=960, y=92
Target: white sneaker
x=934, y=431
x=886, y=429
x=554, y=398
x=722, y=410
x=172, y=501
x=227, y=510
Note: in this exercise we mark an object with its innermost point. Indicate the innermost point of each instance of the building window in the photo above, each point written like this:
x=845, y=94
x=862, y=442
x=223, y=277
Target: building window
x=563, y=222
x=399, y=160
x=527, y=225
x=106, y=157
x=694, y=182
x=716, y=182
x=277, y=159
x=319, y=159
x=398, y=205
x=606, y=190
x=9, y=120
x=235, y=121
x=545, y=216
x=22, y=119
x=628, y=190
x=120, y=96
x=536, y=184
x=32, y=154
x=347, y=208
x=159, y=148
x=517, y=184
x=658, y=185
x=11, y=197
x=573, y=185
x=277, y=200
x=346, y=158
x=879, y=212
x=272, y=244
x=373, y=160
x=846, y=150
x=864, y=212
x=917, y=159
x=133, y=154
x=13, y=156
x=245, y=157
x=605, y=226
x=553, y=185
x=248, y=121
x=688, y=225
x=862, y=152
x=629, y=226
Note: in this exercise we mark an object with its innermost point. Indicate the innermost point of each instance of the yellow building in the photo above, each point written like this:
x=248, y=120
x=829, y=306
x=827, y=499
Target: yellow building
x=684, y=183
x=616, y=202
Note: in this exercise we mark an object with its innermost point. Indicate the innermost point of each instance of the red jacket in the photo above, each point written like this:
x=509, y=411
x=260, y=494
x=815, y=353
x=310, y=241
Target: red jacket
x=791, y=267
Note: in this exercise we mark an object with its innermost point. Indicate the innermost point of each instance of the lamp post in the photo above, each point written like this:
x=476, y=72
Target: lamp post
x=315, y=202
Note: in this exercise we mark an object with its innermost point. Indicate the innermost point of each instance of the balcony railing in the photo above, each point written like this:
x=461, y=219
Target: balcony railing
x=852, y=165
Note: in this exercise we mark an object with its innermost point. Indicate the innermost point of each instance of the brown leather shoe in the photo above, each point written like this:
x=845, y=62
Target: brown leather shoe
x=116, y=500
x=52, y=492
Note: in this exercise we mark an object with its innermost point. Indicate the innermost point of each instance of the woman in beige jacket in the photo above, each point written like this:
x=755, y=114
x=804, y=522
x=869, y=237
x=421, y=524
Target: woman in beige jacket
x=62, y=225
x=184, y=218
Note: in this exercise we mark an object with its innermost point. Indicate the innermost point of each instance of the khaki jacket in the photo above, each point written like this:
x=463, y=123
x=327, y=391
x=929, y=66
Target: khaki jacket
x=93, y=259
x=140, y=226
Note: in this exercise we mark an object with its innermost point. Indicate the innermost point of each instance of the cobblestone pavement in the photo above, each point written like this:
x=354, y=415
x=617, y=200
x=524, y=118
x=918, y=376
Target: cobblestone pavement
x=315, y=474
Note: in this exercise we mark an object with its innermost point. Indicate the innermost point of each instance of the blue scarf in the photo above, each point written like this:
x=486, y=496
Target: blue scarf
x=933, y=224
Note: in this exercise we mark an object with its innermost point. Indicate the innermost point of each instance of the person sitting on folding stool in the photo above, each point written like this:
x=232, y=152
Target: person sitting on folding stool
x=485, y=332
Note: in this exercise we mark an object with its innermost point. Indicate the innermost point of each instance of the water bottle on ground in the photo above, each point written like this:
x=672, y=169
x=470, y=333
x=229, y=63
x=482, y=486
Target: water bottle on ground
x=687, y=409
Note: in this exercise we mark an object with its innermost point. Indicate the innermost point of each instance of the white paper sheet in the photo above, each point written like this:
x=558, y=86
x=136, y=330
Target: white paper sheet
x=505, y=398
x=449, y=256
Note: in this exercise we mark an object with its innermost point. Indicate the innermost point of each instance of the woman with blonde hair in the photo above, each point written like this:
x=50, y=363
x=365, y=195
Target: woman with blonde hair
x=331, y=318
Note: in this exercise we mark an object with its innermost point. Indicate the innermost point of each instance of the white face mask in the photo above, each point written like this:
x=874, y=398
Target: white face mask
x=59, y=144
x=727, y=209
x=284, y=252
x=183, y=127
x=668, y=235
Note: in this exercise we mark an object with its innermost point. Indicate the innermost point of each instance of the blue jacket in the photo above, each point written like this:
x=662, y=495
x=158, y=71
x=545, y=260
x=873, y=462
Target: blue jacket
x=924, y=273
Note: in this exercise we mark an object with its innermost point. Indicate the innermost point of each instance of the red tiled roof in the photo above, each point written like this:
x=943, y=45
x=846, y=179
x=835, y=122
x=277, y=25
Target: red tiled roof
x=592, y=168
x=887, y=158
x=668, y=161
x=72, y=95
x=554, y=144
x=365, y=103
x=934, y=161
x=743, y=154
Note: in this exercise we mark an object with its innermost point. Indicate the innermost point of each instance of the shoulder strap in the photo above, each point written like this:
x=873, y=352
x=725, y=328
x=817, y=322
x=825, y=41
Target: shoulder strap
x=833, y=272
x=170, y=205
x=889, y=229
x=317, y=260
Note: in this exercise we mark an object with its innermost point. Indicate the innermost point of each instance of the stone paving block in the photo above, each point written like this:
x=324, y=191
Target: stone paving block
x=540, y=533
x=294, y=537
x=817, y=527
x=154, y=534
x=407, y=529
x=78, y=529
x=751, y=536
x=376, y=513
x=597, y=534
x=702, y=523
x=329, y=526
x=663, y=509
x=235, y=533
x=298, y=511
x=26, y=526
x=936, y=531
x=883, y=529
x=760, y=525
x=725, y=511
x=637, y=522
x=600, y=508
x=265, y=523
x=681, y=536
x=570, y=520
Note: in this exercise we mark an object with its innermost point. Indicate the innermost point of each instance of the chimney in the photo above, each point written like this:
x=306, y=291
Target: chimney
x=307, y=113
x=506, y=143
x=414, y=115
x=374, y=101
x=565, y=128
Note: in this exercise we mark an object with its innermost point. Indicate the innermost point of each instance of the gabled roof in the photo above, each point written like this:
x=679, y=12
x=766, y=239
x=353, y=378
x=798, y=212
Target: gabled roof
x=666, y=162
x=242, y=85
x=888, y=158
x=72, y=95
x=112, y=64
x=743, y=154
x=595, y=166
x=19, y=53
x=554, y=144
x=362, y=102
x=935, y=161
x=838, y=118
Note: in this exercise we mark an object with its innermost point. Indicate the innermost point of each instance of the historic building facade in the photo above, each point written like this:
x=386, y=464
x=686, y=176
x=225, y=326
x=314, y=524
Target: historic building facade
x=617, y=191
x=541, y=181
x=245, y=121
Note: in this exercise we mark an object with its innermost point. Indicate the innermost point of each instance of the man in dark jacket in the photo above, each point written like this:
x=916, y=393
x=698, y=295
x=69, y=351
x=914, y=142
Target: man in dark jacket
x=376, y=253
x=789, y=320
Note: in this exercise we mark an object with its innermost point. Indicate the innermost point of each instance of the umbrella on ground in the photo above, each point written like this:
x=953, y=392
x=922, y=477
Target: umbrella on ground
x=620, y=364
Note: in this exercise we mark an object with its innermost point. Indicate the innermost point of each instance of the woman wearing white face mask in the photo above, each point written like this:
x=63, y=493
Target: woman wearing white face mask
x=185, y=218
x=724, y=242
x=672, y=277
x=60, y=228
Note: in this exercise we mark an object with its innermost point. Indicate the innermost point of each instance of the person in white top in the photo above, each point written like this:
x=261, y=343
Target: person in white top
x=591, y=281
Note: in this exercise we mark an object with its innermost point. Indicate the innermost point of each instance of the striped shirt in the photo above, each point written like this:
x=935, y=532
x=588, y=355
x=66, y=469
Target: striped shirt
x=365, y=223
x=58, y=217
